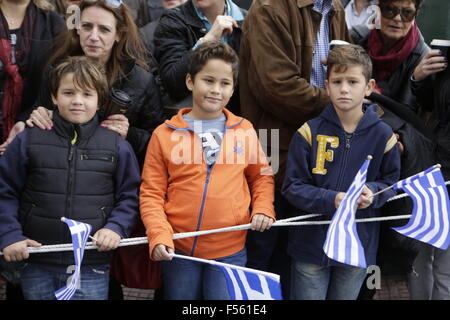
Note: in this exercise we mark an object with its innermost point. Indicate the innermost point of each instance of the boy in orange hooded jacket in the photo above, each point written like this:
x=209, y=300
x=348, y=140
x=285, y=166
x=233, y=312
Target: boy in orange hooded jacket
x=204, y=169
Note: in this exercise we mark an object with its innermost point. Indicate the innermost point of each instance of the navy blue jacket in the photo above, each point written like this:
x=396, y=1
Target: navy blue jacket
x=322, y=161
x=20, y=163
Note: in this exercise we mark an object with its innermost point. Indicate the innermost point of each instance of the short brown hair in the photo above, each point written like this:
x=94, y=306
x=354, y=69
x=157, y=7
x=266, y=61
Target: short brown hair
x=213, y=50
x=87, y=74
x=343, y=56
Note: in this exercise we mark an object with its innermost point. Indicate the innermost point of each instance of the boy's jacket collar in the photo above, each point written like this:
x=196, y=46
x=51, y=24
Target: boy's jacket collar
x=177, y=121
x=66, y=129
x=369, y=118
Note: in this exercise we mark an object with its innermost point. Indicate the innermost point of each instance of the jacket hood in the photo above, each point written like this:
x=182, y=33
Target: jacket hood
x=177, y=122
x=369, y=118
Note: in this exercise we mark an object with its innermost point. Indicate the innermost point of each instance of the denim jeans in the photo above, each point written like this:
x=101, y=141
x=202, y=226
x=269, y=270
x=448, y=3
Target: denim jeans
x=313, y=282
x=40, y=283
x=190, y=280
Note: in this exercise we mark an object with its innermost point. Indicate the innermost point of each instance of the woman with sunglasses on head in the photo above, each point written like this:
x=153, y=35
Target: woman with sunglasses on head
x=108, y=34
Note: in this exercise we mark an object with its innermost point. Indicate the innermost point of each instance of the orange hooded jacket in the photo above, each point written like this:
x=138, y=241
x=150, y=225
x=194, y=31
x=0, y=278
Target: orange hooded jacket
x=180, y=193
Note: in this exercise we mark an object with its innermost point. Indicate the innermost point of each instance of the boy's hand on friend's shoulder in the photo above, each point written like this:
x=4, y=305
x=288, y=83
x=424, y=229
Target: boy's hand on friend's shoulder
x=260, y=222
x=162, y=252
x=18, y=251
x=106, y=239
x=366, y=198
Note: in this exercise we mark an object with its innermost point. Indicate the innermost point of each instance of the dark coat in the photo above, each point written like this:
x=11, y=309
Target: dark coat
x=276, y=56
x=177, y=32
x=433, y=94
x=47, y=25
x=145, y=112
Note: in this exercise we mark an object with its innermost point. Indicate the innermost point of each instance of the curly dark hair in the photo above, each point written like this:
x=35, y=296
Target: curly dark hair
x=418, y=3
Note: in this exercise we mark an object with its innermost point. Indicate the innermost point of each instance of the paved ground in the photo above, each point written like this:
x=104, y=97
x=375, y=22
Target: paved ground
x=392, y=288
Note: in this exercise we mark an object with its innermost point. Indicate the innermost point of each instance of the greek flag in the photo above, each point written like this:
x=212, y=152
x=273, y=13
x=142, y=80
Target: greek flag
x=251, y=284
x=80, y=233
x=342, y=243
x=430, y=219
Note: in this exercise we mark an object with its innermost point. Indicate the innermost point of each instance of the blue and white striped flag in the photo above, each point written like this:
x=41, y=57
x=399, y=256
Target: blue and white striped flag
x=342, y=243
x=80, y=233
x=251, y=284
x=430, y=220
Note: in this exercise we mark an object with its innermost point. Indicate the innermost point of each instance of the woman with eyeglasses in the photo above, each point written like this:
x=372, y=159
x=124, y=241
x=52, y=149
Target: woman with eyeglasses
x=108, y=34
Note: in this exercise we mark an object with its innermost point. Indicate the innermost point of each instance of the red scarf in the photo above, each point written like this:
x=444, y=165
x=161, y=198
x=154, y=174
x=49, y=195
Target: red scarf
x=385, y=64
x=13, y=83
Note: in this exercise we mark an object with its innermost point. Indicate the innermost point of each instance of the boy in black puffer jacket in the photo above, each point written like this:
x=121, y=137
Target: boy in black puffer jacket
x=78, y=170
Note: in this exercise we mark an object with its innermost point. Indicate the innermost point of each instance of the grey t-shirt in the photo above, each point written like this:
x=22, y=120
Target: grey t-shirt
x=211, y=133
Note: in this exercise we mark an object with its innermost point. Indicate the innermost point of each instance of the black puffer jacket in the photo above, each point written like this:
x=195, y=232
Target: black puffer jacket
x=145, y=112
x=177, y=32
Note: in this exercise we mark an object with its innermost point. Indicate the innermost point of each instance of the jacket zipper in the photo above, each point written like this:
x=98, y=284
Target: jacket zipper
x=71, y=160
x=202, y=206
x=96, y=157
x=344, y=162
x=205, y=189
x=70, y=180
x=339, y=183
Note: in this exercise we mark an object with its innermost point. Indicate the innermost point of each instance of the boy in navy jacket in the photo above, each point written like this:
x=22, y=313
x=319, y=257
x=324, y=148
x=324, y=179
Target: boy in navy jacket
x=324, y=156
x=78, y=170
